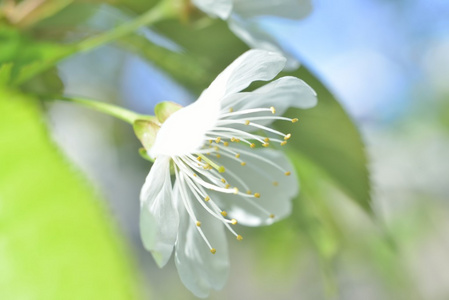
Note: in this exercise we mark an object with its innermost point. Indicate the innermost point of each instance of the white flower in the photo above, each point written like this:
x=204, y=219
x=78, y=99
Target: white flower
x=222, y=176
x=243, y=19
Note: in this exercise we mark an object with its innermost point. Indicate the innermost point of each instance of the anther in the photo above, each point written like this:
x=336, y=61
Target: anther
x=239, y=237
x=224, y=213
x=287, y=136
x=194, y=174
x=233, y=221
x=236, y=190
x=273, y=110
x=198, y=158
x=227, y=186
x=257, y=195
x=287, y=173
x=237, y=155
x=294, y=120
x=243, y=163
x=213, y=250
x=231, y=109
x=275, y=183
x=210, y=141
x=249, y=192
x=221, y=169
x=218, y=155
x=247, y=122
x=198, y=223
x=223, y=180
x=226, y=144
x=217, y=140
x=265, y=144
x=237, y=140
x=252, y=145
x=207, y=198
x=283, y=143
x=232, y=139
x=266, y=139
x=272, y=216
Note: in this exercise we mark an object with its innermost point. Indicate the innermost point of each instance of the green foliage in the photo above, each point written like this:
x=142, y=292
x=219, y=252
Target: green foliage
x=56, y=241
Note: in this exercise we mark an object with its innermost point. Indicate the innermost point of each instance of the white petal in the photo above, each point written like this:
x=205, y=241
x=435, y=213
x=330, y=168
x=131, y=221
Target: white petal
x=291, y=9
x=249, y=31
x=215, y=8
x=252, y=65
x=158, y=217
x=282, y=93
x=276, y=189
x=198, y=268
x=184, y=131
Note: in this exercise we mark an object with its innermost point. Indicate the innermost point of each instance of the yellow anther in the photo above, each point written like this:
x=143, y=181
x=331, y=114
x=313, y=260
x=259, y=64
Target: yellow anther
x=273, y=110
x=231, y=109
x=239, y=237
x=206, y=167
x=216, y=148
x=287, y=136
x=221, y=169
x=284, y=143
x=194, y=174
x=257, y=195
x=237, y=140
x=223, y=180
x=247, y=122
x=218, y=155
x=237, y=155
x=272, y=216
x=233, y=221
x=287, y=173
x=266, y=139
x=210, y=141
x=217, y=140
x=198, y=158
x=227, y=186
x=294, y=120
x=275, y=183
x=232, y=139
x=266, y=145
x=207, y=198
x=224, y=213
x=252, y=145
x=249, y=192
x=243, y=163
x=236, y=190
x=207, y=153
x=213, y=250
x=226, y=144
x=198, y=223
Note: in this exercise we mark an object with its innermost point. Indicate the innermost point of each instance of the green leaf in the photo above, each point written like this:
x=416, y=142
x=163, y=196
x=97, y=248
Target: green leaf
x=328, y=137
x=56, y=241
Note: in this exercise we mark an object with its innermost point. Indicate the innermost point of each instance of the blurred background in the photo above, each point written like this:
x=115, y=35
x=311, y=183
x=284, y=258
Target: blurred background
x=387, y=63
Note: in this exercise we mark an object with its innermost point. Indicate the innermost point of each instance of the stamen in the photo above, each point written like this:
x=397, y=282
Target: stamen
x=275, y=183
x=239, y=237
x=284, y=143
x=213, y=250
x=257, y=195
x=224, y=213
x=247, y=122
x=198, y=223
x=265, y=144
x=233, y=221
x=287, y=173
x=244, y=112
x=243, y=163
x=294, y=120
x=273, y=110
x=287, y=136
x=217, y=140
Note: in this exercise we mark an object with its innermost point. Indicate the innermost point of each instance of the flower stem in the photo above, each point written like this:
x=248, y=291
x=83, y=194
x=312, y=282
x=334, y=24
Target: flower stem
x=109, y=109
x=161, y=11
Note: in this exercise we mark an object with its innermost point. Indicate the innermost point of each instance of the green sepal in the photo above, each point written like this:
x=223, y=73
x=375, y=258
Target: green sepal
x=143, y=153
x=146, y=131
x=164, y=109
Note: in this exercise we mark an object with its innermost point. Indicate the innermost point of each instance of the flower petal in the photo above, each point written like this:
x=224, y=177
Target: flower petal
x=158, y=217
x=275, y=188
x=252, y=65
x=282, y=93
x=198, y=268
x=291, y=9
x=215, y=8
